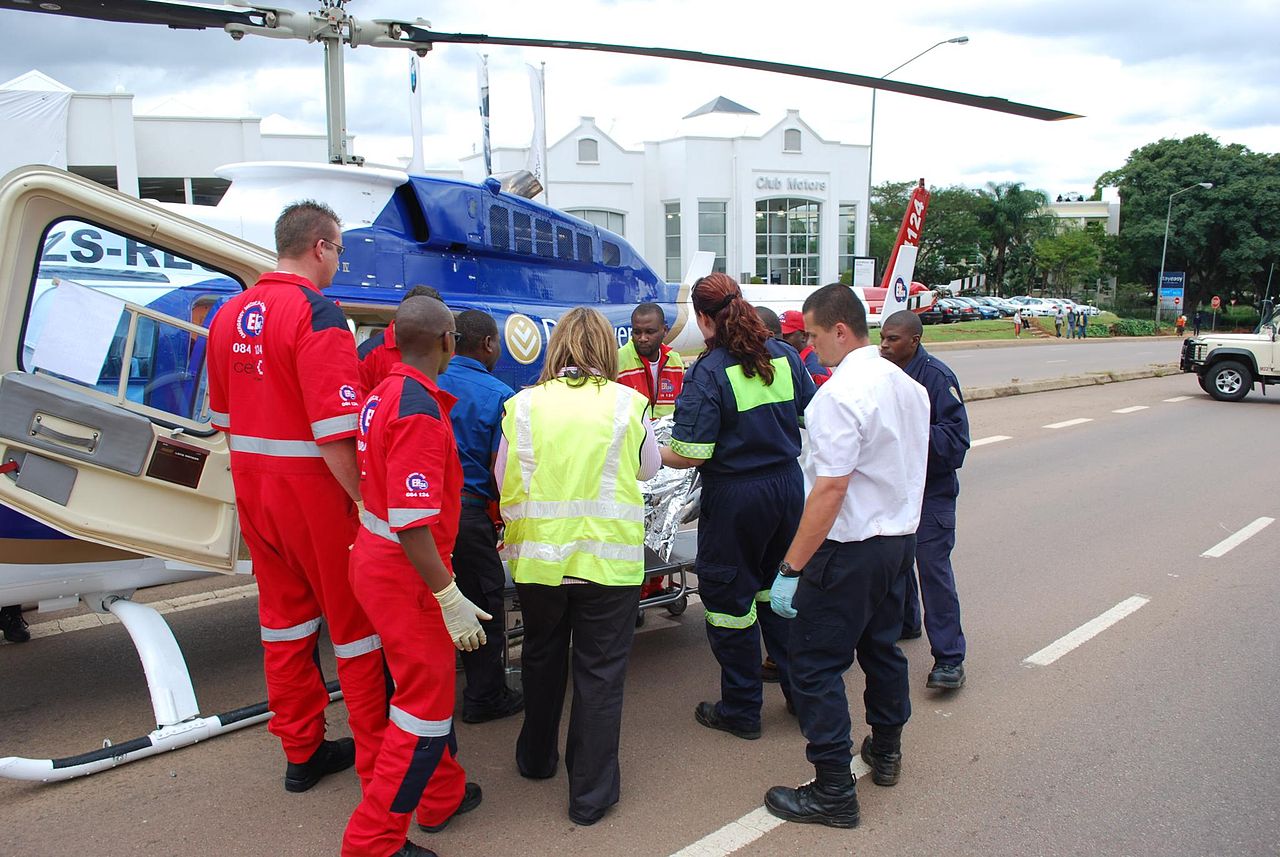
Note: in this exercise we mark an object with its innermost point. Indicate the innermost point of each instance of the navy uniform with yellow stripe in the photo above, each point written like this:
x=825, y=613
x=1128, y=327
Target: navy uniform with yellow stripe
x=747, y=434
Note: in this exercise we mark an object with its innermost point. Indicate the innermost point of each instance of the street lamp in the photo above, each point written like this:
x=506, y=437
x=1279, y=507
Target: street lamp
x=1163, y=252
x=871, y=145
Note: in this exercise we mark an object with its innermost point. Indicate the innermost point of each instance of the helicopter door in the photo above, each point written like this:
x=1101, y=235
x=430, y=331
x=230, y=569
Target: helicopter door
x=104, y=425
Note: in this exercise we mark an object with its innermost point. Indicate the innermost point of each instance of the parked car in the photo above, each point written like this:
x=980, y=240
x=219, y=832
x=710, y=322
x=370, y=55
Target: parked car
x=984, y=311
x=998, y=304
x=959, y=311
x=933, y=315
x=1036, y=306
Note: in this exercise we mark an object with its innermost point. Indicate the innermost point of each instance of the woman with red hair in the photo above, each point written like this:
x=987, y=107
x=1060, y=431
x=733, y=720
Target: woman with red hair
x=737, y=420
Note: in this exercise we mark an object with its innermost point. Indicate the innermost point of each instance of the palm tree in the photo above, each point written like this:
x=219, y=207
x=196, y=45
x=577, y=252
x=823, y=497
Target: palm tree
x=1013, y=217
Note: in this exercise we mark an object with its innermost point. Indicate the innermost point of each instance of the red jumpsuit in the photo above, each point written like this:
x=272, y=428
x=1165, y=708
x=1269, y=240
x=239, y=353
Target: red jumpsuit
x=410, y=476
x=377, y=355
x=283, y=379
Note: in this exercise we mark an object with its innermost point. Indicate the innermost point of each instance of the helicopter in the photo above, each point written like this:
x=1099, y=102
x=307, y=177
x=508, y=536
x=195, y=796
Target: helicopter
x=111, y=478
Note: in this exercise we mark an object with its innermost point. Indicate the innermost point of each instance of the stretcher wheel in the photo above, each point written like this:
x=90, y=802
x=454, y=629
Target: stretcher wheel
x=675, y=608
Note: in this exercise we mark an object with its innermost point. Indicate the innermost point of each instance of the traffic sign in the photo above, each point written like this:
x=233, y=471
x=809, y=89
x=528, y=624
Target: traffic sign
x=1177, y=301
x=1216, y=302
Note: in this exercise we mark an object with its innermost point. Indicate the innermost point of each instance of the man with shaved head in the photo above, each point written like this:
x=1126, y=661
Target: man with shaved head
x=401, y=571
x=936, y=536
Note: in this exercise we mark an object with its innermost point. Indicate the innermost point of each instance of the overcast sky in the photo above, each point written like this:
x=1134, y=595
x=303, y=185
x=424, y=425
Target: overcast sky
x=1137, y=70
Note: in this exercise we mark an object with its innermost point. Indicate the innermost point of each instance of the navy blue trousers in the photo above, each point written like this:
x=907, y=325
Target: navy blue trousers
x=935, y=539
x=744, y=529
x=849, y=600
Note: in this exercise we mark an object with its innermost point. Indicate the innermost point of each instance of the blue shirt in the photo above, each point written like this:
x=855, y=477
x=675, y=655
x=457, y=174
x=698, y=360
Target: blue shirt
x=738, y=424
x=477, y=420
x=948, y=426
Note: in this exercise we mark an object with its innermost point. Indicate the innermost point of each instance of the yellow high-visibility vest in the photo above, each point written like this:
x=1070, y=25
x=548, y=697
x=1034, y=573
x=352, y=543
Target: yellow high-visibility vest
x=570, y=497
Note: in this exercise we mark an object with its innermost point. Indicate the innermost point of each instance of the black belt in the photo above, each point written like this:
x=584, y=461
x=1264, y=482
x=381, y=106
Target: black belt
x=475, y=501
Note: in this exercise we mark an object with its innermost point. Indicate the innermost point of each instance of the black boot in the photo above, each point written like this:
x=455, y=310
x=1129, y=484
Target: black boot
x=13, y=625
x=831, y=799
x=412, y=849
x=882, y=750
x=329, y=758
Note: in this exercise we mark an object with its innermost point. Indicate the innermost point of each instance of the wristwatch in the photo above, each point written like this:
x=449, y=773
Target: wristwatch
x=785, y=569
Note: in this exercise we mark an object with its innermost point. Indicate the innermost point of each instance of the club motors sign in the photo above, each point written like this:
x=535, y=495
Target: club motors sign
x=793, y=183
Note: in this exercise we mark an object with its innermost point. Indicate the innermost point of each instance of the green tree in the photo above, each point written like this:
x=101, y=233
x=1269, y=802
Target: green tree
x=1071, y=259
x=1014, y=218
x=950, y=240
x=1224, y=237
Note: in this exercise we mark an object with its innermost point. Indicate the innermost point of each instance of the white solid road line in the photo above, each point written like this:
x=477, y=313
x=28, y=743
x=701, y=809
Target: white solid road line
x=1085, y=632
x=741, y=833
x=1178, y=399
x=995, y=438
x=1067, y=423
x=1238, y=538
x=1130, y=410
x=1055, y=361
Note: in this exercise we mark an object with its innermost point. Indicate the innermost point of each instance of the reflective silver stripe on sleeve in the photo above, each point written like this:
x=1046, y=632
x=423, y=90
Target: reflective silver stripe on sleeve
x=573, y=509
x=377, y=526
x=559, y=553
x=219, y=417
x=418, y=726
x=278, y=448
x=405, y=517
x=356, y=648
x=524, y=438
x=286, y=635
x=334, y=425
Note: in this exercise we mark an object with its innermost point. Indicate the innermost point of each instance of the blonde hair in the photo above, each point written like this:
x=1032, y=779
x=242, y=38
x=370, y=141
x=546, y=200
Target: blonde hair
x=582, y=338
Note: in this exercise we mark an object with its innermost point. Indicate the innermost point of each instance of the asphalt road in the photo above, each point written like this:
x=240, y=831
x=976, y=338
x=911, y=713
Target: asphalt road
x=1155, y=737
x=986, y=366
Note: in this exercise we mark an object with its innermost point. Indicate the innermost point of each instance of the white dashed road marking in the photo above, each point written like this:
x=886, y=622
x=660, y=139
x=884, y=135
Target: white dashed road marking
x=1238, y=538
x=1069, y=423
x=1178, y=399
x=995, y=438
x=1086, y=632
x=1130, y=410
x=1055, y=361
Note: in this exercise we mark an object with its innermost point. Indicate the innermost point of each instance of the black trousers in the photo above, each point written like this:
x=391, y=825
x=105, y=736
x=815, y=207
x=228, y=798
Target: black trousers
x=849, y=599
x=601, y=622
x=477, y=569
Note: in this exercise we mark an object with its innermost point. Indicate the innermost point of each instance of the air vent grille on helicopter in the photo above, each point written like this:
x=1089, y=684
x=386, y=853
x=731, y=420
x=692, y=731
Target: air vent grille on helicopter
x=524, y=232
x=499, y=227
x=564, y=243
x=542, y=238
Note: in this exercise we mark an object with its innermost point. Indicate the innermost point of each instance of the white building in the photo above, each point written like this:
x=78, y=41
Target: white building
x=1079, y=211
x=774, y=201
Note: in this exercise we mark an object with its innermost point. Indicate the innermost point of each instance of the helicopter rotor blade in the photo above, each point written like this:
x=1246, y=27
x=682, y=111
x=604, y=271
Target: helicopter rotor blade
x=170, y=13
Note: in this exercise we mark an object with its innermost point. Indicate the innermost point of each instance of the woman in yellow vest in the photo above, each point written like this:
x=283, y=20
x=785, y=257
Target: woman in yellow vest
x=573, y=447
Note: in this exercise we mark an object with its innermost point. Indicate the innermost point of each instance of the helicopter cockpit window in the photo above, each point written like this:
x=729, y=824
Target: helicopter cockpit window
x=113, y=314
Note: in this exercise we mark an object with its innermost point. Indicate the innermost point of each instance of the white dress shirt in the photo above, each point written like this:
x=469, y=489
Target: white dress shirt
x=871, y=420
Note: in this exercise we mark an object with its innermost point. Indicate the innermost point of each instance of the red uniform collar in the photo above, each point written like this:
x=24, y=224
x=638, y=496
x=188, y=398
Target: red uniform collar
x=285, y=277
x=389, y=335
x=663, y=351
x=442, y=396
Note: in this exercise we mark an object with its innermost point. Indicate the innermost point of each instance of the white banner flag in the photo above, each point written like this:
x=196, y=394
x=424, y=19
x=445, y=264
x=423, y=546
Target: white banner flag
x=415, y=116
x=483, y=72
x=537, y=163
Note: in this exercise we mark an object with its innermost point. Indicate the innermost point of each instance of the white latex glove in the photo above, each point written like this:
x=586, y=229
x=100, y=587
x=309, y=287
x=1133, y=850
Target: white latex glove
x=462, y=618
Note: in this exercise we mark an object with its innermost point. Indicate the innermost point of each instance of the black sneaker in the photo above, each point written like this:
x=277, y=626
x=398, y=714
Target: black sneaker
x=412, y=849
x=708, y=714
x=509, y=702
x=812, y=804
x=885, y=767
x=329, y=758
x=946, y=677
x=13, y=625
x=769, y=671
x=471, y=797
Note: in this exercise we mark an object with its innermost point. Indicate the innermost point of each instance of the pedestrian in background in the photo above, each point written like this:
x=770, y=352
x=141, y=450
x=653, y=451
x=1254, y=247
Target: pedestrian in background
x=843, y=580
x=573, y=447
x=936, y=536
x=738, y=421
x=1199, y=320
x=1017, y=323
x=1071, y=323
x=1058, y=318
x=1181, y=324
x=1082, y=322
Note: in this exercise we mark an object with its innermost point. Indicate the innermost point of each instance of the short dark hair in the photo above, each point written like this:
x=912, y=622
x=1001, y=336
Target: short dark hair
x=649, y=308
x=423, y=292
x=906, y=320
x=301, y=225
x=836, y=303
x=771, y=321
x=474, y=325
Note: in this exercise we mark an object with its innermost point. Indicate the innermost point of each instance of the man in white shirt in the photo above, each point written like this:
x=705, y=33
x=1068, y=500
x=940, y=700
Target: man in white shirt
x=844, y=578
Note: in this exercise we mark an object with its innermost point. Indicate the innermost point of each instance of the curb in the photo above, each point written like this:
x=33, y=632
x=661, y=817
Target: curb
x=1046, y=340
x=977, y=394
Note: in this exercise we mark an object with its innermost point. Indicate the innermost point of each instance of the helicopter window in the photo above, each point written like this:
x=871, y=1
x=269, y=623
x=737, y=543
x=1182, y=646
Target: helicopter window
x=564, y=243
x=791, y=140
x=584, y=247
x=588, y=151
x=115, y=315
x=524, y=232
x=499, y=227
x=611, y=253
x=542, y=237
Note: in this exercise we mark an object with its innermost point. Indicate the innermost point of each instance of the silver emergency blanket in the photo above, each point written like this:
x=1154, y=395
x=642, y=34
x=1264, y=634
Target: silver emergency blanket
x=670, y=499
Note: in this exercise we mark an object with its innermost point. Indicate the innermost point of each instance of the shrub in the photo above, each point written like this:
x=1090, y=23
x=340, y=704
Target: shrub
x=1133, y=327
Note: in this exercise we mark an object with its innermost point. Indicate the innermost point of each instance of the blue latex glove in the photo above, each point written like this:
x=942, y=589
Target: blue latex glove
x=780, y=595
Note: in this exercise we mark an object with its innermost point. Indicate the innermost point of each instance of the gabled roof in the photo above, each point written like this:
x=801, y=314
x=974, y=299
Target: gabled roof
x=720, y=104
x=35, y=81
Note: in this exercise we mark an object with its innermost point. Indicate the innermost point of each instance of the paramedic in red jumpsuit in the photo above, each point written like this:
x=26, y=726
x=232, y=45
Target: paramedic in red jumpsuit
x=411, y=483
x=283, y=386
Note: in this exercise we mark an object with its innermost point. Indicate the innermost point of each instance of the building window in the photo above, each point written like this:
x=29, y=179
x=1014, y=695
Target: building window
x=671, y=211
x=847, y=235
x=791, y=140
x=611, y=220
x=588, y=151
x=787, y=245
x=712, y=234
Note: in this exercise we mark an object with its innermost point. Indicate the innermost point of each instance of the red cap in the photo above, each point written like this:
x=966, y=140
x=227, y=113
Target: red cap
x=792, y=322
